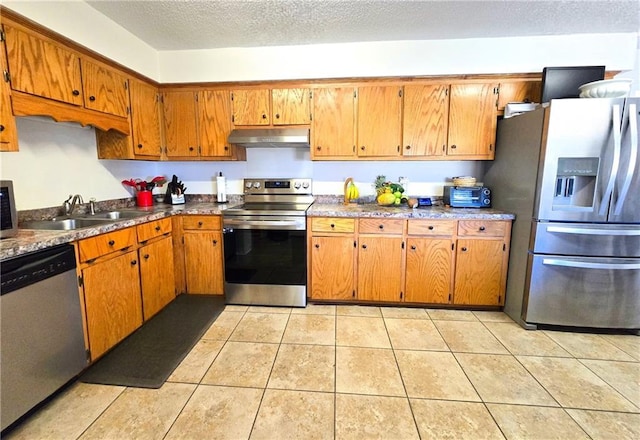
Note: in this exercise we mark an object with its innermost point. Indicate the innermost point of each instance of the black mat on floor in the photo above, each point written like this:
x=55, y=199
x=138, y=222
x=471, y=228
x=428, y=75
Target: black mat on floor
x=147, y=357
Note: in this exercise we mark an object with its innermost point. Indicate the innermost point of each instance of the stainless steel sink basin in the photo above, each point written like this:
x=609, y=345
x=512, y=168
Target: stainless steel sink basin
x=116, y=215
x=65, y=224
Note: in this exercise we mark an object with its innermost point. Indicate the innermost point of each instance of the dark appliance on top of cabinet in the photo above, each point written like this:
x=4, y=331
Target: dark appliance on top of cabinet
x=265, y=244
x=570, y=171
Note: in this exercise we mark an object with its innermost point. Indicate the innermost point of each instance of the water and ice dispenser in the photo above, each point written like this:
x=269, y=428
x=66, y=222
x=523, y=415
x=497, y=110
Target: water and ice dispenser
x=576, y=183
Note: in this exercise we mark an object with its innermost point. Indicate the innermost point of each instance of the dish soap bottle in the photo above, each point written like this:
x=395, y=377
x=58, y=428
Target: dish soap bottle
x=221, y=187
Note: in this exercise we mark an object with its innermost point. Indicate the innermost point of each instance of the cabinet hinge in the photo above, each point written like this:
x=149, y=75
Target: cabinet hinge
x=446, y=92
x=504, y=247
x=7, y=76
x=311, y=116
x=496, y=90
x=88, y=354
x=449, y=297
x=400, y=295
x=355, y=244
x=233, y=118
x=160, y=148
x=182, y=240
x=195, y=96
x=232, y=96
x=444, y=148
x=310, y=94
x=499, y=298
x=80, y=281
x=353, y=293
x=129, y=112
x=355, y=94
x=354, y=148
x=490, y=147
x=398, y=148
x=452, y=246
x=2, y=36
x=160, y=98
x=400, y=93
x=199, y=149
x=403, y=245
x=126, y=85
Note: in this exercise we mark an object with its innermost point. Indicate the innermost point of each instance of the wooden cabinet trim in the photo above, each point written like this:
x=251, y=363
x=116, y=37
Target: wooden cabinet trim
x=331, y=224
x=202, y=222
x=381, y=226
x=432, y=227
x=105, y=244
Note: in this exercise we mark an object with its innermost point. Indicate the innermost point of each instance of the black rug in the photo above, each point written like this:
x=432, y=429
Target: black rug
x=147, y=357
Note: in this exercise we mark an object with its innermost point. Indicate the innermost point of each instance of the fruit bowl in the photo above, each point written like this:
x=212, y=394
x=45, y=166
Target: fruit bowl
x=608, y=88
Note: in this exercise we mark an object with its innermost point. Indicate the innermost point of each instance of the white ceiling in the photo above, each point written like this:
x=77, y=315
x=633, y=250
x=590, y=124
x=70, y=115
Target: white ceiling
x=209, y=24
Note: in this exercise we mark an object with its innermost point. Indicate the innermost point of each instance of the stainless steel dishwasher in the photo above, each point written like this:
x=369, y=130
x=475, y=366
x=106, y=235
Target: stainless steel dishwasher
x=42, y=341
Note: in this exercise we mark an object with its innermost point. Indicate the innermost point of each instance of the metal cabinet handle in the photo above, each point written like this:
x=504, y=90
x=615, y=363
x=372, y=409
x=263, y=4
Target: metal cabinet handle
x=75, y=92
x=139, y=145
x=157, y=228
x=318, y=148
x=431, y=228
x=481, y=228
x=277, y=115
x=199, y=224
x=362, y=148
x=464, y=249
x=264, y=116
x=146, y=256
x=1, y=127
x=92, y=98
x=317, y=246
x=190, y=148
x=454, y=147
x=381, y=226
x=408, y=147
x=364, y=246
x=134, y=262
x=111, y=242
x=413, y=248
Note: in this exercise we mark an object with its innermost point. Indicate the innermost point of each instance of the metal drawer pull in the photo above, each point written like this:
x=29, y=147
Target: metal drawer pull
x=481, y=228
x=590, y=265
x=111, y=242
x=157, y=228
x=589, y=231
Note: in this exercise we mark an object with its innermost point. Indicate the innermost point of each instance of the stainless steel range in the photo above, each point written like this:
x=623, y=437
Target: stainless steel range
x=265, y=244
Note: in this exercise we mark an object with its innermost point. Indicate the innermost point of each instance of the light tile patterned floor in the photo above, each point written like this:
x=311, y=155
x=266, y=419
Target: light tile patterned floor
x=355, y=372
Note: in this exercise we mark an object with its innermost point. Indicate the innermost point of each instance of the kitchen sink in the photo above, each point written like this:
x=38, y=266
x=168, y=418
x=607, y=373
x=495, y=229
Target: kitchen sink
x=65, y=224
x=116, y=215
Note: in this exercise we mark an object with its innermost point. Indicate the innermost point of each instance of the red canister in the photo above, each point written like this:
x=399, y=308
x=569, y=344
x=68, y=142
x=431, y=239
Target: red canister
x=144, y=198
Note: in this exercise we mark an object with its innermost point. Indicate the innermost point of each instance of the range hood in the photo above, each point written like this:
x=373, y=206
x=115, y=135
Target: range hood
x=270, y=137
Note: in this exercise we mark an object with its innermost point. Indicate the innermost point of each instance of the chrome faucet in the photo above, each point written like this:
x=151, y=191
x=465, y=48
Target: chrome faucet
x=69, y=207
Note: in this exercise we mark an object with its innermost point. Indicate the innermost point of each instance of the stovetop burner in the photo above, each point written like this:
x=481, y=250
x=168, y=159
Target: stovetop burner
x=274, y=197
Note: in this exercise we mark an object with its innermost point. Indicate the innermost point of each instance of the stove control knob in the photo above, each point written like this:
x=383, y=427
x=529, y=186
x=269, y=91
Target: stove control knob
x=256, y=185
x=296, y=185
x=247, y=184
x=305, y=185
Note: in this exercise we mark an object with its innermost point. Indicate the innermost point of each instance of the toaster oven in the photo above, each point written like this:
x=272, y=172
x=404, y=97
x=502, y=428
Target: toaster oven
x=467, y=196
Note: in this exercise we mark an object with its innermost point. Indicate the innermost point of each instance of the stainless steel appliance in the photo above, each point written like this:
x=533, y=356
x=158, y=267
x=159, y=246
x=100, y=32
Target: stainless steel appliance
x=570, y=171
x=42, y=337
x=467, y=196
x=8, y=216
x=265, y=244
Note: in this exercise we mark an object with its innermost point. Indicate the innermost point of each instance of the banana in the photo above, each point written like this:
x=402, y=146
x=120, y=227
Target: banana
x=352, y=192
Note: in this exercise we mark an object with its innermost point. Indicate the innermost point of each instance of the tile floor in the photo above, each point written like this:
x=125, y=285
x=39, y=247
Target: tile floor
x=354, y=372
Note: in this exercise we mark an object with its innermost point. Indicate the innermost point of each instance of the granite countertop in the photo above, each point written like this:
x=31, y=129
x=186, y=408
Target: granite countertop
x=433, y=212
x=29, y=240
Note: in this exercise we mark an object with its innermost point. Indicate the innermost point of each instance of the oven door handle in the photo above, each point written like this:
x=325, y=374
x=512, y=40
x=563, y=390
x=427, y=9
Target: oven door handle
x=590, y=265
x=264, y=224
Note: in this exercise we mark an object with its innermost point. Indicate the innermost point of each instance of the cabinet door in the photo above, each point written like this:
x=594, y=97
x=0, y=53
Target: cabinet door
x=478, y=276
x=145, y=117
x=429, y=270
x=214, y=111
x=180, y=123
x=112, y=301
x=473, y=120
x=8, y=131
x=157, y=276
x=43, y=68
x=332, y=267
x=291, y=106
x=251, y=107
x=380, y=268
x=519, y=91
x=203, y=262
x=333, y=125
x=426, y=119
x=105, y=90
x=379, y=120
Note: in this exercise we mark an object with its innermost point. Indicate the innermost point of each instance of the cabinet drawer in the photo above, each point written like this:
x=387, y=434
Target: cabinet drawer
x=380, y=226
x=153, y=229
x=431, y=227
x=201, y=222
x=331, y=224
x=478, y=228
x=94, y=247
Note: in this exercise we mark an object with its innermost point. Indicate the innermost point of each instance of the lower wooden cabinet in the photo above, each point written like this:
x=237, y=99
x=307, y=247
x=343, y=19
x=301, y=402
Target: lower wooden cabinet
x=418, y=261
x=157, y=276
x=203, y=250
x=112, y=301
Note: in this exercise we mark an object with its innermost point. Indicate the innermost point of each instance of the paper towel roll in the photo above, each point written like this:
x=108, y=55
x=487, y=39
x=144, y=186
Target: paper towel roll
x=221, y=186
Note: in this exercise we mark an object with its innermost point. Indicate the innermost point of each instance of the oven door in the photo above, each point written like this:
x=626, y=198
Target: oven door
x=265, y=261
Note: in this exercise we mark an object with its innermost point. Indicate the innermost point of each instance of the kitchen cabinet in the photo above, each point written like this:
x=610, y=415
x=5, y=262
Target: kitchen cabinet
x=482, y=254
x=203, y=253
x=180, y=124
x=110, y=284
x=157, y=276
x=332, y=257
x=105, y=89
x=380, y=259
x=8, y=130
x=333, y=124
x=291, y=106
x=379, y=121
x=251, y=107
x=430, y=261
x=145, y=119
x=425, y=119
x=214, y=116
x=472, y=121
x=519, y=91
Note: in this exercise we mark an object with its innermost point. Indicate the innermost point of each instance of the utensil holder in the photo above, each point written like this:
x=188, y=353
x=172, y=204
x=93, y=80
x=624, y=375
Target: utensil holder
x=144, y=198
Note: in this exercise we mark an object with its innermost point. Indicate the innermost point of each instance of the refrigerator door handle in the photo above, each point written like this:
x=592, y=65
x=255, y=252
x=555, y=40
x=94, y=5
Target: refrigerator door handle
x=633, y=158
x=590, y=265
x=592, y=231
x=617, y=146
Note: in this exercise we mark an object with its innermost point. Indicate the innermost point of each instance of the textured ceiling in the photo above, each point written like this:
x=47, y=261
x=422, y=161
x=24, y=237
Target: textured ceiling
x=193, y=24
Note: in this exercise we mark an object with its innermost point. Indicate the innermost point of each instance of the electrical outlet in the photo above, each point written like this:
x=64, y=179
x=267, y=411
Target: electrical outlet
x=403, y=180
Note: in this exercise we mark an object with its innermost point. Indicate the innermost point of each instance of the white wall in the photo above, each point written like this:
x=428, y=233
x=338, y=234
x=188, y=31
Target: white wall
x=59, y=159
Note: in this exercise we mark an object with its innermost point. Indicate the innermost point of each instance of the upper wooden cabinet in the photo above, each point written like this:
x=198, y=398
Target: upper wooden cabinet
x=271, y=106
x=379, y=121
x=8, y=131
x=519, y=91
x=181, y=138
x=333, y=125
x=472, y=120
x=42, y=67
x=214, y=122
x=251, y=107
x=145, y=119
x=426, y=120
x=105, y=89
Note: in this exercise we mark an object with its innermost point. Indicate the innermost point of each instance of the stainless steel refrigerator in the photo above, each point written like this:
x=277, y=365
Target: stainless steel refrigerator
x=570, y=171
